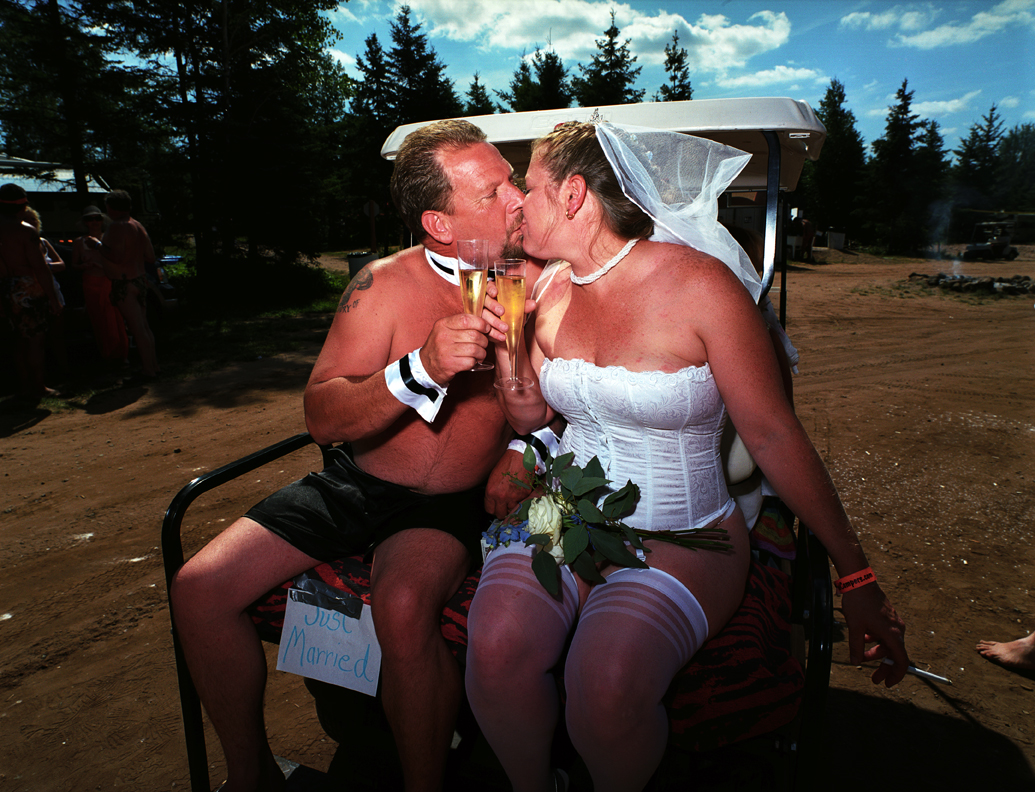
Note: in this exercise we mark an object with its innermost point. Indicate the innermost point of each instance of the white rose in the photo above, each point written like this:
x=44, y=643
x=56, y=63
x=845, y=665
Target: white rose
x=544, y=517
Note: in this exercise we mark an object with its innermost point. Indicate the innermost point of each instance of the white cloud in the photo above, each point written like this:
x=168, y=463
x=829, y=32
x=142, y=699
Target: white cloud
x=1009, y=102
x=781, y=74
x=1029, y=114
x=1007, y=15
x=903, y=18
x=925, y=109
x=343, y=58
x=712, y=43
x=914, y=25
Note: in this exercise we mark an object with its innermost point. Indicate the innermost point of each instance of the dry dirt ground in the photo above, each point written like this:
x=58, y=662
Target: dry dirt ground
x=922, y=404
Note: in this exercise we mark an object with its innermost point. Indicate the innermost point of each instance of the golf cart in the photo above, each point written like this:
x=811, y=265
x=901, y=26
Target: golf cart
x=990, y=241
x=762, y=680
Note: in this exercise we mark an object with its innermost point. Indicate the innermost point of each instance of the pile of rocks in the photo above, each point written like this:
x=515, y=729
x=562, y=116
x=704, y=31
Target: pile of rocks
x=986, y=284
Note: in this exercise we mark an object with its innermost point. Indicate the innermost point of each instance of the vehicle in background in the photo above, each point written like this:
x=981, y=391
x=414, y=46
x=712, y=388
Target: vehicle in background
x=991, y=240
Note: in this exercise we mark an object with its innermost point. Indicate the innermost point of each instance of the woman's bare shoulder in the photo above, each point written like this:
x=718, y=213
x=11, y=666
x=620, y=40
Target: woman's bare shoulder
x=681, y=264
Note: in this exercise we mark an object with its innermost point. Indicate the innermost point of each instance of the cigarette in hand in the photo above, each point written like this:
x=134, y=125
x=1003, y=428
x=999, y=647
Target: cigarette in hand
x=912, y=669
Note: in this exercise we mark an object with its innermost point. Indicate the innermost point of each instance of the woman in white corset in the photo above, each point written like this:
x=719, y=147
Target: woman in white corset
x=643, y=341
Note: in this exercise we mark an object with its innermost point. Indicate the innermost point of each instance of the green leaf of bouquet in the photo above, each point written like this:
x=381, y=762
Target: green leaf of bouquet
x=589, y=511
x=537, y=539
x=528, y=459
x=614, y=549
x=632, y=537
x=585, y=568
x=576, y=539
x=588, y=484
x=563, y=461
x=547, y=573
x=620, y=503
x=570, y=477
x=522, y=512
x=595, y=469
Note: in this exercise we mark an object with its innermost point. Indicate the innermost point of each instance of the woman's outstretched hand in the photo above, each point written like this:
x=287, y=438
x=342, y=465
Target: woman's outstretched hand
x=872, y=619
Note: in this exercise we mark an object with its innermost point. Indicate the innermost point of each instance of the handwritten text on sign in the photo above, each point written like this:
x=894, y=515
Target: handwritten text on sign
x=325, y=644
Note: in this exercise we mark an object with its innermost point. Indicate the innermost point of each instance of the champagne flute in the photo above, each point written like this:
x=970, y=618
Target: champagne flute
x=510, y=283
x=472, y=261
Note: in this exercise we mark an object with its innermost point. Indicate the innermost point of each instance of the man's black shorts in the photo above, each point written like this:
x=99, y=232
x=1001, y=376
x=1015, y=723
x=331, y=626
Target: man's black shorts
x=342, y=511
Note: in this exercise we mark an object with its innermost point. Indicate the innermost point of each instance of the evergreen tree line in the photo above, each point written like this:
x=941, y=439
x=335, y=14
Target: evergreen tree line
x=907, y=196
x=254, y=141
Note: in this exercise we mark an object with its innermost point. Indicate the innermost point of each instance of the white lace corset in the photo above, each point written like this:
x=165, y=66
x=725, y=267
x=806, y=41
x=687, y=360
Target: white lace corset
x=660, y=430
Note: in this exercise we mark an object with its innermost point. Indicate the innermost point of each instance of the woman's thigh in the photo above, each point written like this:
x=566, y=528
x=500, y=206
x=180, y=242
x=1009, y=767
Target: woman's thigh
x=716, y=578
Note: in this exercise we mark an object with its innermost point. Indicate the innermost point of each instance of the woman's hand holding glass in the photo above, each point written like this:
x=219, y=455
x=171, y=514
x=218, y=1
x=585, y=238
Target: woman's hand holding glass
x=510, y=287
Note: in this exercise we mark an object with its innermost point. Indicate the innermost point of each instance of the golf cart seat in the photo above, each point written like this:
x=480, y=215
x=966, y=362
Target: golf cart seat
x=763, y=677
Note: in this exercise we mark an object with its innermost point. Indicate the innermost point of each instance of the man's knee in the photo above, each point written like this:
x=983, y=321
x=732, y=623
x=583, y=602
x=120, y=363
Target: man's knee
x=414, y=574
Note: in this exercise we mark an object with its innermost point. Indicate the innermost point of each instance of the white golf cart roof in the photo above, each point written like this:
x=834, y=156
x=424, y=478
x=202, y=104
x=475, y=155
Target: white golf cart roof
x=741, y=123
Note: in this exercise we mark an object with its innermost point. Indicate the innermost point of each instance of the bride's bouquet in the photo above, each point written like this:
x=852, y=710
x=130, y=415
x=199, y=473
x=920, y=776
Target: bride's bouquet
x=564, y=520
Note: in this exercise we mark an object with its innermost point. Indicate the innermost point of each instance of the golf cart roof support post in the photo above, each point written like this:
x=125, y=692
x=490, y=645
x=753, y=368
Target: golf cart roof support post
x=772, y=194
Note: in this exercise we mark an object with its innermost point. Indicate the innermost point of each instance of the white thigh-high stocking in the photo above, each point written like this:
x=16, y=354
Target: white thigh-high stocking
x=635, y=632
x=516, y=634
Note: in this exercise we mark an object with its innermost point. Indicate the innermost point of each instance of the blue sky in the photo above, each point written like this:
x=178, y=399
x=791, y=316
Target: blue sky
x=959, y=57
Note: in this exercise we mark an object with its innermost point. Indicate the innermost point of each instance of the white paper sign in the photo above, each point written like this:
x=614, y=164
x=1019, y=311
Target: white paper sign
x=328, y=644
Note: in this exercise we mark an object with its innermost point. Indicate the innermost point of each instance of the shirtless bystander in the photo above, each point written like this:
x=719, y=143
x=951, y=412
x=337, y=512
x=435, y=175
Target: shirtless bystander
x=126, y=249
x=27, y=293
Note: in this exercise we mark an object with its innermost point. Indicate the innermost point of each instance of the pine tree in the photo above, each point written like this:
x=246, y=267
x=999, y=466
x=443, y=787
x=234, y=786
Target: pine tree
x=974, y=174
x=835, y=179
x=553, y=89
x=373, y=96
x=609, y=77
x=257, y=99
x=421, y=91
x=541, y=84
x=930, y=201
x=1015, y=170
x=478, y=100
x=677, y=89
x=521, y=95
x=890, y=218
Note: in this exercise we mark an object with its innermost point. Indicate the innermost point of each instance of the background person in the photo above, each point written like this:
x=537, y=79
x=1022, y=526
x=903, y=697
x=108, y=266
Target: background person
x=56, y=325
x=109, y=329
x=126, y=250
x=1018, y=656
x=643, y=350
x=392, y=380
x=27, y=293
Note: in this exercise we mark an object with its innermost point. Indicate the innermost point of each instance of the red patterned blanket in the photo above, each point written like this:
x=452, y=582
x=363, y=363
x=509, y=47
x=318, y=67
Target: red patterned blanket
x=743, y=683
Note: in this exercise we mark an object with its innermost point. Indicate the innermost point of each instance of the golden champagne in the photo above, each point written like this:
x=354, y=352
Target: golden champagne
x=512, y=298
x=472, y=290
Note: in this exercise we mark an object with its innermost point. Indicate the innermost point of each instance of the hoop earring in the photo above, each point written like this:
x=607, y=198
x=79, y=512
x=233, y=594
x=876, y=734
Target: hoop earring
x=571, y=216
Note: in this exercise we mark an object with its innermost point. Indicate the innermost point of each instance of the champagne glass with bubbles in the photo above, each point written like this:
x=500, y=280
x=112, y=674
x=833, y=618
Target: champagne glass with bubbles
x=510, y=283
x=472, y=260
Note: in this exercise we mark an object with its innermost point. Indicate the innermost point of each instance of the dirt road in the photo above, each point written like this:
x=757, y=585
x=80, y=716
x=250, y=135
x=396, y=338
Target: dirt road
x=923, y=406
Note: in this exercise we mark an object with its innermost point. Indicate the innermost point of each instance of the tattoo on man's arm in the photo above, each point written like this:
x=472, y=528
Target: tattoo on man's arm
x=363, y=281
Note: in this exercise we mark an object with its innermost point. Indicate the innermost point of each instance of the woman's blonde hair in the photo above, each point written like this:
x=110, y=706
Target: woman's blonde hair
x=32, y=217
x=573, y=149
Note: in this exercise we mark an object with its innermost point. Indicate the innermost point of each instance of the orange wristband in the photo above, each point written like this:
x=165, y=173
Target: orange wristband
x=855, y=580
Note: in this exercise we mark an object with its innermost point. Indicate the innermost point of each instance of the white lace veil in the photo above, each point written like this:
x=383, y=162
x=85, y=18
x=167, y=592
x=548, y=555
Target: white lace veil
x=677, y=180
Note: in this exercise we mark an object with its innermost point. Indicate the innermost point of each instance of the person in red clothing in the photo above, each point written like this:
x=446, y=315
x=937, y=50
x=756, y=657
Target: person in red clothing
x=109, y=329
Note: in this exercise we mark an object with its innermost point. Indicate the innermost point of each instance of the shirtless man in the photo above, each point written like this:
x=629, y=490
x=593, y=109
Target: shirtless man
x=398, y=343
x=27, y=295
x=126, y=249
